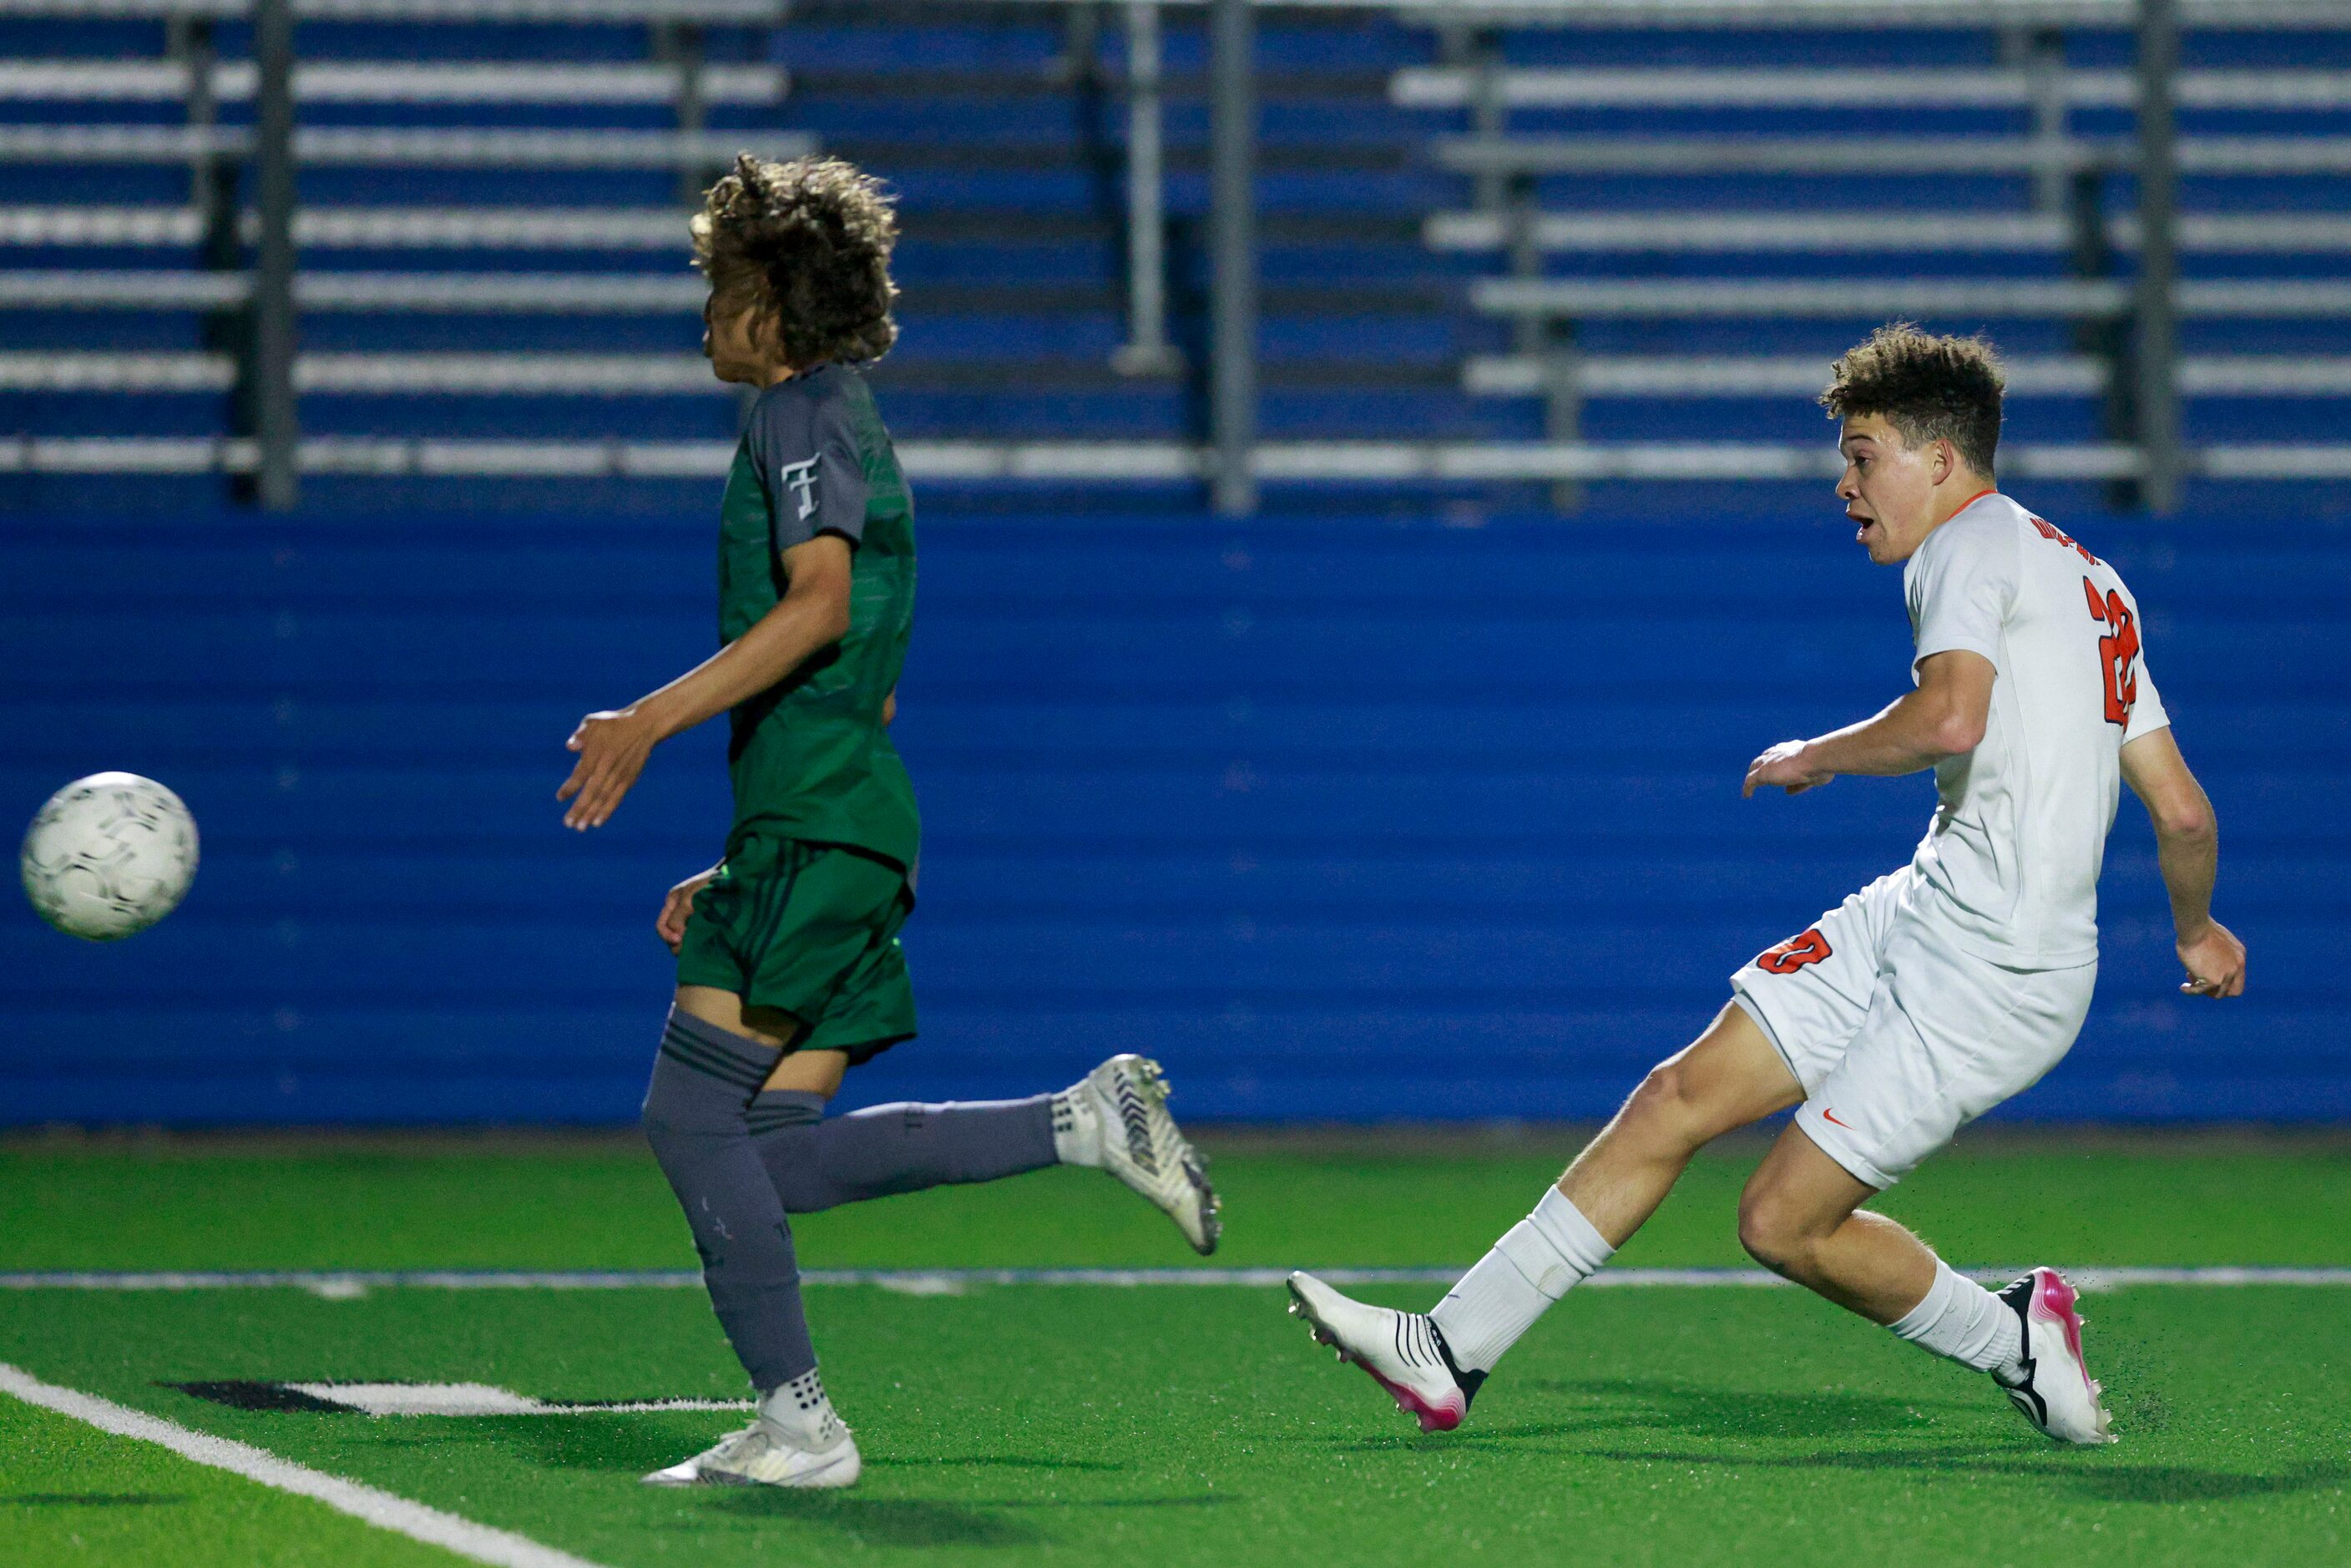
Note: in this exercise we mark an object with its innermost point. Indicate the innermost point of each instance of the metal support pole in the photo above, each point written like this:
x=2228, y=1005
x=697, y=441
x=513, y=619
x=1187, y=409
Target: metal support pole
x=680, y=44
x=2158, y=266
x=1562, y=406
x=1080, y=59
x=1521, y=217
x=191, y=45
x=273, y=330
x=2051, y=130
x=1232, y=195
x=1488, y=115
x=1146, y=352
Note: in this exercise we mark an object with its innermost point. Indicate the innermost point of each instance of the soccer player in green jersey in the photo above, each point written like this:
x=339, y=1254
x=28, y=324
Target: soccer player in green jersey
x=790, y=970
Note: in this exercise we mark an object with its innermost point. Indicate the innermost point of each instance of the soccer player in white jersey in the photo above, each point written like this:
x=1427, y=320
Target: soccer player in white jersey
x=1931, y=995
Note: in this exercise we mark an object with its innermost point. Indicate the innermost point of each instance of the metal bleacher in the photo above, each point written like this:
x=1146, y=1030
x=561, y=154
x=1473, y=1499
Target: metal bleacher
x=1494, y=244
x=492, y=248
x=492, y=204
x=1687, y=224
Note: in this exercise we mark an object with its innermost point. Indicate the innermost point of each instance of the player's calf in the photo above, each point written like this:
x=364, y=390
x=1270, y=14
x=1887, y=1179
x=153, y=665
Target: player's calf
x=819, y=1163
x=694, y=1119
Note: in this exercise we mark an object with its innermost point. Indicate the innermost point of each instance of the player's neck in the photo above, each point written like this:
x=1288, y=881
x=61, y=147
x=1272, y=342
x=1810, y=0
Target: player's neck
x=1957, y=493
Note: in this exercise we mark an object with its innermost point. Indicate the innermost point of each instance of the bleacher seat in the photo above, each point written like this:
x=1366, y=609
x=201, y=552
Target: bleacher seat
x=1487, y=257
x=1692, y=222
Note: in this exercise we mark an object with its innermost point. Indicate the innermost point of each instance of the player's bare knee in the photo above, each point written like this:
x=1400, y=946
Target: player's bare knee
x=1666, y=1103
x=1774, y=1234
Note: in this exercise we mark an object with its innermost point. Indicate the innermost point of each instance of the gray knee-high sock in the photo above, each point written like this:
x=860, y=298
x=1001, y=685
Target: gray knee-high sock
x=817, y=1164
x=693, y=1117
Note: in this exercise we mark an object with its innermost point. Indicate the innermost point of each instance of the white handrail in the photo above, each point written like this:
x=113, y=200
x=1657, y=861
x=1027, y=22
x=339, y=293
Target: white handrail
x=746, y=12
x=364, y=146
x=1124, y=462
x=1770, y=87
x=1850, y=233
x=1886, y=297
x=525, y=374
x=1801, y=376
x=390, y=81
x=474, y=228
x=1605, y=154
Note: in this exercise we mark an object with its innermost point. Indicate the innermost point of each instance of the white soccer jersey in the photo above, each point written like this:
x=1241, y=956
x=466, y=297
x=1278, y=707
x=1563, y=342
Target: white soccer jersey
x=2010, y=865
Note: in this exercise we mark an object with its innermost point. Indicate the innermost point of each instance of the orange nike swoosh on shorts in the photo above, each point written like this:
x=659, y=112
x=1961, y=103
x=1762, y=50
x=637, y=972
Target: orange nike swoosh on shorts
x=1832, y=1116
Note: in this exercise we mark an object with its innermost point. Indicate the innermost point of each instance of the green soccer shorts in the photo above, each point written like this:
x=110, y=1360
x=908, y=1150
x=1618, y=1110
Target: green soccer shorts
x=812, y=929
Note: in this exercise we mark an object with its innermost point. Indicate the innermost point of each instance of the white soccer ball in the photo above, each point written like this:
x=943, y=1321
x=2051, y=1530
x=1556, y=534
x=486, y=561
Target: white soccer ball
x=108, y=856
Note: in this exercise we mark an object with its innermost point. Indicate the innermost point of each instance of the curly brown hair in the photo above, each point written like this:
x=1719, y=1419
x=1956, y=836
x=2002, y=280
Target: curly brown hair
x=1927, y=387
x=806, y=244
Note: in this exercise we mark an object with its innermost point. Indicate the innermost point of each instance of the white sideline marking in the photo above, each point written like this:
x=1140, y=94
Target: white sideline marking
x=476, y=1543
x=347, y=1284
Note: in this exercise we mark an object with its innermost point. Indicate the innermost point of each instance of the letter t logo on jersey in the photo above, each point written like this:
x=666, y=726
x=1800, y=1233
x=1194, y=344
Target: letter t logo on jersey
x=801, y=478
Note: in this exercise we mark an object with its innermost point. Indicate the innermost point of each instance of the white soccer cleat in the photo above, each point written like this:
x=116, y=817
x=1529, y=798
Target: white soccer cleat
x=1115, y=1117
x=765, y=1454
x=1401, y=1351
x=2052, y=1388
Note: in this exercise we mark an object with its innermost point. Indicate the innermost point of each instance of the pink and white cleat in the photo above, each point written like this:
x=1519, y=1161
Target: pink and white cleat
x=1401, y=1351
x=2052, y=1386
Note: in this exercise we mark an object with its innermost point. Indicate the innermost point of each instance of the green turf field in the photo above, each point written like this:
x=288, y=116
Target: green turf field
x=1176, y=1424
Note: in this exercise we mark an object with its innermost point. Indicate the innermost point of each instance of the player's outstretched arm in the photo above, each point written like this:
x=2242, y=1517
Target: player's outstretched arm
x=1944, y=718
x=812, y=615
x=2188, y=850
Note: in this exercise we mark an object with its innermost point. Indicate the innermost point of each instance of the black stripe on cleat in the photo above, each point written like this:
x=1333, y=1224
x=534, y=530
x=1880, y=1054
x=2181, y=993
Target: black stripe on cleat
x=1468, y=1382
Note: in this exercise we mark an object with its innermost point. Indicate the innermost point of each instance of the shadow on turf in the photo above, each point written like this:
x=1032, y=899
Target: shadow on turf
x=1722, y=1412
x=91, y=1498
x=2105, y=1482
x=1651, y=1405
x=880, y=1522
x=915, y=1522
x=634, y=1446
x=1000, y=1461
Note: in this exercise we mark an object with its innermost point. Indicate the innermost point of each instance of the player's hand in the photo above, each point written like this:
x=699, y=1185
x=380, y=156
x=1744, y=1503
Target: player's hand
x=612, y=749
x=2215, y=962
x=678, y=907
x=890, y=709
x=1784, y=767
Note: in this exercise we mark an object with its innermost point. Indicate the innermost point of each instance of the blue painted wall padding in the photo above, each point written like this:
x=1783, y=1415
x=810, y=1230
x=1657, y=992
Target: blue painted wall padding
x=1344, y=819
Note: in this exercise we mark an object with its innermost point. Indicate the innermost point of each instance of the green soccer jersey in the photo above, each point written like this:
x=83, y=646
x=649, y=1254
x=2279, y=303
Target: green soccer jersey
x=808, y=755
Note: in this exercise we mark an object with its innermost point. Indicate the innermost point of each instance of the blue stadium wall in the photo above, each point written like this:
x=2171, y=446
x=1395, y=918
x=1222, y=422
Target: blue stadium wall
x=1344, y=819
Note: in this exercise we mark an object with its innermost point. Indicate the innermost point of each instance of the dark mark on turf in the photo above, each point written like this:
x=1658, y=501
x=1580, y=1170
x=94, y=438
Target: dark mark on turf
x=239, y=1393
x=91, y=1499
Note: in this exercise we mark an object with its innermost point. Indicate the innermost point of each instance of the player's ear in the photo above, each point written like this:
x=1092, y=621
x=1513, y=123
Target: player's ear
x=1943, y=461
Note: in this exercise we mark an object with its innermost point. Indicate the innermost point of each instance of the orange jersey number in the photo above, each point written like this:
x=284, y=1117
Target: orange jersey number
x=1807, y=947
x=2118, y=650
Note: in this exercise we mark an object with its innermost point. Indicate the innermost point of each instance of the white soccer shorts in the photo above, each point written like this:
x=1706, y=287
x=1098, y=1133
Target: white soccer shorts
x=1899, y=1037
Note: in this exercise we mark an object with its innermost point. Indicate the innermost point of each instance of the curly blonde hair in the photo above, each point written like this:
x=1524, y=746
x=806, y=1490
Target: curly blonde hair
x=806, y=244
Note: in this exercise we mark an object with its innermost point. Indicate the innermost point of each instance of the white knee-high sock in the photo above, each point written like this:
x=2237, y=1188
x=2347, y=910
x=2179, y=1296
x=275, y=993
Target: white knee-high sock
x=1961, y=1320
x=1538, y=1261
